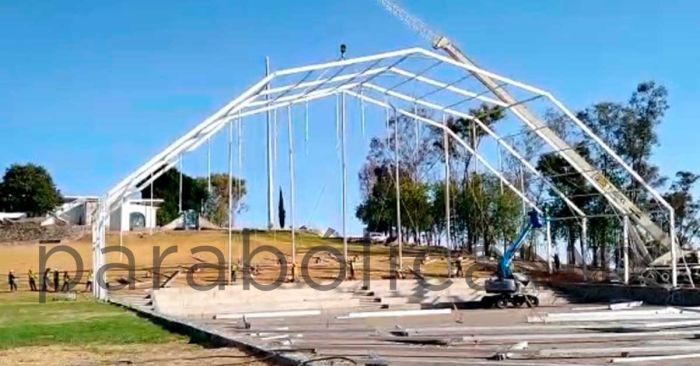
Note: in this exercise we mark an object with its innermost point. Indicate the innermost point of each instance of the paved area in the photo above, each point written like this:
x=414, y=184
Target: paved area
x=376, y=327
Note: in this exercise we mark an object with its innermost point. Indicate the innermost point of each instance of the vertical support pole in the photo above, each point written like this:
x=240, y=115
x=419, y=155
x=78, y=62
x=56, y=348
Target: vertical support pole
x=448, y=223
x=179, y=202
x=549, y=245
x=522, y=189
x=674, y=254
x=291, y=186
x=343, y=158
x=306, y=128
x=500, y=165
x=209, y=165
x=626, y=247
x=524, y=210
x=476, y=161
x=362, y=115
x=229, y=247
x=98, y=259
x=150, y=214
x=95, y=264
x=121, y=231
x=239, y=141
x=270, y=177
x=584, y=246
x=398, y=190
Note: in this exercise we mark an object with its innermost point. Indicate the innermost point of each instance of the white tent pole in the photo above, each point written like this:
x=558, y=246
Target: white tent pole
x=179, y=202
x=209, y=165
x=291, y=185
x=150, y=214
x=626, y=247
x=584, y=246
x=268, y=152
x=448, y=236
x=549, y=245
x=230, y=202
x=398, y=189
x=306, y=128
x=344, y=172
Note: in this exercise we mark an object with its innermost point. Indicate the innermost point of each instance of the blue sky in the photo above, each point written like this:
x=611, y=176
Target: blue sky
x=91, y=89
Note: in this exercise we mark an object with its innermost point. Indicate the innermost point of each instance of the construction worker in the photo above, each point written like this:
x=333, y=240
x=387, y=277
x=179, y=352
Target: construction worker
x=88, y=284
x=32, y=280
x=458, y=265
x=55, y=280
x=234, y=269
x=12, y=280
x=66, y=282
x=351, y=267
x=45, y=282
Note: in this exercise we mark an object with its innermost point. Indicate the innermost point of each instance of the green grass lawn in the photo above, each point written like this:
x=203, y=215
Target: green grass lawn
x=26, y=322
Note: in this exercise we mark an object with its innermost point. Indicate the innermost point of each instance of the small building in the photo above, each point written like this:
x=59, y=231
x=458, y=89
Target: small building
x=75, y=210
x=135, y=214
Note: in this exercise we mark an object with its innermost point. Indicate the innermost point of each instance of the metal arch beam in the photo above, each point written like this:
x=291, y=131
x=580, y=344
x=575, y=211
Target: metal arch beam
x=446, y=86
x=196, y=134
x=145, y=178
x=307, y=84
x=176, y=147
x=569, y=114
x=455, y=137
x=481, y=71
x=349, y=61
x=235, y=105
x=488, y=130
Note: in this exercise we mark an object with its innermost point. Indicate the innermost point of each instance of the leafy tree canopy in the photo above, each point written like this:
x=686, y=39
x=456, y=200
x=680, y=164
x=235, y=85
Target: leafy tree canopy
x=28, y=188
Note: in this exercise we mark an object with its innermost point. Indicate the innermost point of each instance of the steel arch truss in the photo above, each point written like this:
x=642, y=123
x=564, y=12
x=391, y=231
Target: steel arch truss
x=401, y=80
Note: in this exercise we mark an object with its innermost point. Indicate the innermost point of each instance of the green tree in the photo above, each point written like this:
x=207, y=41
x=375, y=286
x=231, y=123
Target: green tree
x=378, y=209
x=28, y=188
x=572, y=184
x=685, y=207
x=167, y=188
x=216, y=208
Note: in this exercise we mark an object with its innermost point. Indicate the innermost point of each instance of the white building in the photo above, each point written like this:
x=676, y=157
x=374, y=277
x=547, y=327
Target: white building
x=75, y=210
x=135, y=214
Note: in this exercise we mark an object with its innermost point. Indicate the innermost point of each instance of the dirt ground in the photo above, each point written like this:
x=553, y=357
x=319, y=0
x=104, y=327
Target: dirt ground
x=179, y=244
x=174, y=353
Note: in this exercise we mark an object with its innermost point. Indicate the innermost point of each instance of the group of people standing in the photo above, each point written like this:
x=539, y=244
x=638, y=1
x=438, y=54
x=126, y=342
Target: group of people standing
x=51, y=280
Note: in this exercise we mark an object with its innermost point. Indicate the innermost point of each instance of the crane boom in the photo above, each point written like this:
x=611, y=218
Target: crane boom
x=643, y=223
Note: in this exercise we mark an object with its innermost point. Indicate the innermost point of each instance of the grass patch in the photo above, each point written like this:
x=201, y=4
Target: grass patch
x=26, y=322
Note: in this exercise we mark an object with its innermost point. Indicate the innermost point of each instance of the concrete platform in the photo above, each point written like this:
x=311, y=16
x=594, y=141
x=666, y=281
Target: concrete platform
x=591, y=292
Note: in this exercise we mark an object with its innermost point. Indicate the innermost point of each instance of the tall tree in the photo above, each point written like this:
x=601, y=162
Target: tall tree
x=685, y=207
x=216, y=208
x=572, y=184
x=30, y=189
x=281, y=213
x=167, y=188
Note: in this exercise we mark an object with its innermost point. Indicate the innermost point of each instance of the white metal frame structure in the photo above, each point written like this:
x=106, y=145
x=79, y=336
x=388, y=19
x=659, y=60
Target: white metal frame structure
x=380, y=80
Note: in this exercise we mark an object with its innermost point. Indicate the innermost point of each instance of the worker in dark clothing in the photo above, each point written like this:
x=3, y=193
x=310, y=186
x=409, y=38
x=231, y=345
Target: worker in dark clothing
x=557, y=263
x=352, y=269
x=458, y=265
x=66, y=282
x=32, y=280
x=88, y=284
x=55, y=280
x=45, y=281
x=234, y=270
x=12, y=280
